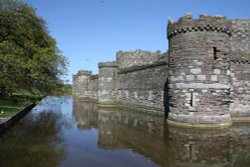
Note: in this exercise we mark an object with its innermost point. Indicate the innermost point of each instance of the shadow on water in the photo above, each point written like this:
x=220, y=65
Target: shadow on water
x=35, y=141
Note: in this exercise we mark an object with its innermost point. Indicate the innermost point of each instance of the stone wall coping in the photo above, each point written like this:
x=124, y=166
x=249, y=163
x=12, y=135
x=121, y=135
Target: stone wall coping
x=112, y=64
x=93, y=77
x=136, y=52
x=141, y=67
x=83, y=72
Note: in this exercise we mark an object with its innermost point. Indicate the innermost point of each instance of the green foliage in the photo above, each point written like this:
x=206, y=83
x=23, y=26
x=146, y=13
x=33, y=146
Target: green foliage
x=12, y=104
x=29, y=58
x=63, y=90
x=67, y=89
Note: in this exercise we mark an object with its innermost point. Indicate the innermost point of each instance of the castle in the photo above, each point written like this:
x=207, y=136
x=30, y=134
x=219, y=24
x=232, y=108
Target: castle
x=202, y=81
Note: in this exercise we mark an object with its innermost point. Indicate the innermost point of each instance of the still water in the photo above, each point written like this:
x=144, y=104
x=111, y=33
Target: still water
x=62, y=132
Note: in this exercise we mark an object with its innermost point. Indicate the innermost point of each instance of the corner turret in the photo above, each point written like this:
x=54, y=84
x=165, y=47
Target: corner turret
x=199, y=81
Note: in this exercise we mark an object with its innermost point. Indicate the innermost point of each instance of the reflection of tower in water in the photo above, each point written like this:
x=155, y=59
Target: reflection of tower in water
x=85, y=114
x=209, y=147
x=240, y=144
x=199, y=147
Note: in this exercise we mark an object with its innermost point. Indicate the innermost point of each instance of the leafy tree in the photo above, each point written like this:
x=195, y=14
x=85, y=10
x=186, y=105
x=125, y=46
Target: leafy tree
x=29, y=58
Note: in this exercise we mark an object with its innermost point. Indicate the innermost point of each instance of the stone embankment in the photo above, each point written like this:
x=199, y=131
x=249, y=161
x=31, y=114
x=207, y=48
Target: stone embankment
x=8, y=122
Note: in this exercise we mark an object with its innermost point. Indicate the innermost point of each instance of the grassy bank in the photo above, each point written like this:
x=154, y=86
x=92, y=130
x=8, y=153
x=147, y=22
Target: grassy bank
x=12, y=104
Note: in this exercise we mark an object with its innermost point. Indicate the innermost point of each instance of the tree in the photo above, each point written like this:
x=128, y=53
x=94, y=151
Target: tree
x=29, y=58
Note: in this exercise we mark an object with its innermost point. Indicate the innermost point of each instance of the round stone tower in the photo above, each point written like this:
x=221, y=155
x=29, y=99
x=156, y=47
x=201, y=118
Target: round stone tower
x=199, y=86
x=107, y=84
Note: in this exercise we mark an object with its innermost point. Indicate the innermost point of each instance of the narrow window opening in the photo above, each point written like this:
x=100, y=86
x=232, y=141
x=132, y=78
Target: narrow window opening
x=191, y=99
x=215, y=53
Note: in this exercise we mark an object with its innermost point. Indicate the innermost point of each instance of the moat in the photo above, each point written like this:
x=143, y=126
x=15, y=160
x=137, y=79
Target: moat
x=62, y=132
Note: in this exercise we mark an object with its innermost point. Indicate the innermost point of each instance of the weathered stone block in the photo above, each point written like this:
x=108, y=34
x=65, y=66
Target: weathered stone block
x=214, y=78
x=189, y=77
x=201, y=77
x=195, y=71
x=217, y=71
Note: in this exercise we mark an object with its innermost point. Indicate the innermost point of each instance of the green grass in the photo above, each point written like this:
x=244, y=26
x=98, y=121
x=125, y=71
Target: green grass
x=8, y=111
x=12, y=104
x=10, y=107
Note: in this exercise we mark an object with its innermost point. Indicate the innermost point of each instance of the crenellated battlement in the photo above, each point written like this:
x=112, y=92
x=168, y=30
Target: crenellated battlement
x=112, y=64
x=136, y=58
x=93, y=77
x=142, y=67
x=203, y=23
x=137, y=52
x=80, y=76
x=84, y=72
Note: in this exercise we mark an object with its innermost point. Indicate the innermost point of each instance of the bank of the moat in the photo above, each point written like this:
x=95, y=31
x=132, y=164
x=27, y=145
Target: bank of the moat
x=66, y=132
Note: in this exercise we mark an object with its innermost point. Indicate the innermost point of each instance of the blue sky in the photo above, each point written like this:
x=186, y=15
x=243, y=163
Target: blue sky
x=92, y=31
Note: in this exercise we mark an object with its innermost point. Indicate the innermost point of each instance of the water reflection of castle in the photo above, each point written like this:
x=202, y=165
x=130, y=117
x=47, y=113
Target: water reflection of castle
x=166, y=146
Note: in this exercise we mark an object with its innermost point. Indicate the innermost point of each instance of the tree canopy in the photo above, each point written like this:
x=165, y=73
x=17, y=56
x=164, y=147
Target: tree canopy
x=29, y=58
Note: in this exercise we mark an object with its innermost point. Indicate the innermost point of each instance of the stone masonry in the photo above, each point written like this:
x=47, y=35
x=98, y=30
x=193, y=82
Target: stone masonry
x=135, y=80
x=203, y=80
x=199, y=70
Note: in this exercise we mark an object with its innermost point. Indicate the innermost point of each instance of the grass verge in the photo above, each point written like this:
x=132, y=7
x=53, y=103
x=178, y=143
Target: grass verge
x=12, y=104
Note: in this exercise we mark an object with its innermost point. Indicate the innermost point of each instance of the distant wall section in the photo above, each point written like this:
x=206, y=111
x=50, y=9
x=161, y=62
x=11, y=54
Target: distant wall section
x=143, y=88
x=136, y=58
x=80, y=83
x=136, y=80
x=85, y=85
x=141, y=79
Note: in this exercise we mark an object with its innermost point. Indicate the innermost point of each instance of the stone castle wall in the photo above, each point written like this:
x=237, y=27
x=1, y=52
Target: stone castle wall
x=143, y=86
x=240, y=40
x=135, y=81
x=141, y=78
x=203, y=80
x=240, y=69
